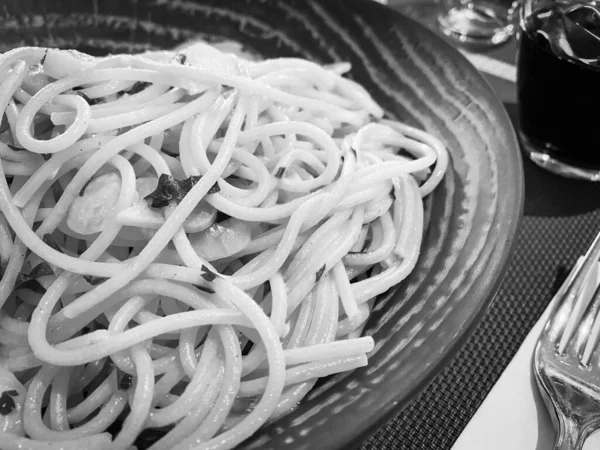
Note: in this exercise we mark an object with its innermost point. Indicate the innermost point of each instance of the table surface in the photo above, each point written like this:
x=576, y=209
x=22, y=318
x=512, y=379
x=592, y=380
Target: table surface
x=561, y=219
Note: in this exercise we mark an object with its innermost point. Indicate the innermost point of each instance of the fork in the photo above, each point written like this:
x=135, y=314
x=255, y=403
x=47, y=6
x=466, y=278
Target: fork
x=566, y=361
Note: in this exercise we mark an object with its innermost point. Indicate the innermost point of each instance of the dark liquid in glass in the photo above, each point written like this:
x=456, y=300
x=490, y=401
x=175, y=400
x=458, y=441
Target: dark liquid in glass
x=559, y=100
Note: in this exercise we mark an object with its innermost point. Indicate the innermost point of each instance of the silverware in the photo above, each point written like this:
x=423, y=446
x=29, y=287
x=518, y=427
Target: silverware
x=566, y=359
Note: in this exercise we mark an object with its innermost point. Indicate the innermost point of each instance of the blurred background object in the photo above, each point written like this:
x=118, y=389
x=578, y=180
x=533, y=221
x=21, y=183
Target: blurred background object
x=478, y=23
x=472, y=24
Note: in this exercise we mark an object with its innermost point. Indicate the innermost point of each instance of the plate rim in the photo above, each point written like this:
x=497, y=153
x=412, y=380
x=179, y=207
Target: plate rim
x=487, y=292
x=388, y=414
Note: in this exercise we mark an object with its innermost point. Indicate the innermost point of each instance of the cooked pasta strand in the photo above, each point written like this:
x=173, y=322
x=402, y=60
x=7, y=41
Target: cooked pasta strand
x=189, y=240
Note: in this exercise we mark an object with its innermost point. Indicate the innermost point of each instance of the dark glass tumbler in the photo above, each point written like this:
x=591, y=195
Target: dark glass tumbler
x=558, y=83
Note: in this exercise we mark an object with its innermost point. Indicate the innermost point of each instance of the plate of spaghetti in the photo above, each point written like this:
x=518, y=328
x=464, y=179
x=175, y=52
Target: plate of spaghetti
x=258, y=225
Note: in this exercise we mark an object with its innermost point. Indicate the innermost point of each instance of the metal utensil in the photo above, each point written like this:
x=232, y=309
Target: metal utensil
x=566, y=360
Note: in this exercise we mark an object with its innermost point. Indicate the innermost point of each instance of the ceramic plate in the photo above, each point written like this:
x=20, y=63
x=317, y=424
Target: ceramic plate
x=417, y=78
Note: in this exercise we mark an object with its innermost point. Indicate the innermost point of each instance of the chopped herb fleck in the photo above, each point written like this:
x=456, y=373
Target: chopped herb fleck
x=43, y=60
x=205, y=289
x=94, y=281
x=169, y=189
x=208, y=274
x=126, y=382
x=186, y=186
x=280, y=172
x=137, y=87
x=320, y=273
x=7, y=403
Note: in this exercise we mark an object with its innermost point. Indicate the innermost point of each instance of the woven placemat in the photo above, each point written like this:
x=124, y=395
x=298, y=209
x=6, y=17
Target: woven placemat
x=561, y=219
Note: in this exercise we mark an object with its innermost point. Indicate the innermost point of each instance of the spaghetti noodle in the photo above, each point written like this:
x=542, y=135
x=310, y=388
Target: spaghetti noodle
x=190, y=239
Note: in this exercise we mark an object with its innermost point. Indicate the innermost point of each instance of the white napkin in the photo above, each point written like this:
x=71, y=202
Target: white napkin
x=513, y=415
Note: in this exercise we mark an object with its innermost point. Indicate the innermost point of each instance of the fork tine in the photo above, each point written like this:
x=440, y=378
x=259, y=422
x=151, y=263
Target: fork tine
x=583, y=311
x=593, y=333
x=578, y=305
x=555, y=323
x=571, y=392
x=575, y=299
